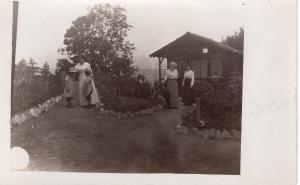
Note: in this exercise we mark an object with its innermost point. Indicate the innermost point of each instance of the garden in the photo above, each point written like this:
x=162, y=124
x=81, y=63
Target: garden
x=34, y=85
x=220, y=103
x=129, y=121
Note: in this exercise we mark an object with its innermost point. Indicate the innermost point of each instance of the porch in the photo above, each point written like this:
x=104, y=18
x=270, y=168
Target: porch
x=208, y=58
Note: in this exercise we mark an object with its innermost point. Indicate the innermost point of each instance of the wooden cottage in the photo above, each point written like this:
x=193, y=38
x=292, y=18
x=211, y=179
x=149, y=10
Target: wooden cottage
x=208, y=58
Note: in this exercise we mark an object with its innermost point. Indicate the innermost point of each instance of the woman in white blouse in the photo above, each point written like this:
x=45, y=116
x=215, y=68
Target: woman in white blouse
x=82, y=67
x=187, y=84
x=172, y=86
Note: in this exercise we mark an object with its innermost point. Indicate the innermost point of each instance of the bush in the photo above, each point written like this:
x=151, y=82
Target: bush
x=220, y=104
x=30, y=90
x=131, y=104
x=144, y=89
x=128, y=87
x=136, y=87
x=202, y=88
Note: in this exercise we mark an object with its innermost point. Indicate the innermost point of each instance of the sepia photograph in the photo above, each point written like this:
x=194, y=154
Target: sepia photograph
x=123, y=87
x=145, y=92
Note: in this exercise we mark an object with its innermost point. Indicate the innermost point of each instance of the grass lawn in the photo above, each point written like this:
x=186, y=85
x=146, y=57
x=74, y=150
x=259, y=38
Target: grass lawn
x=81, y=140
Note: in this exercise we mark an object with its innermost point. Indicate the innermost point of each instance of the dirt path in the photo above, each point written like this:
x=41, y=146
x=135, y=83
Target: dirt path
x=83, y=140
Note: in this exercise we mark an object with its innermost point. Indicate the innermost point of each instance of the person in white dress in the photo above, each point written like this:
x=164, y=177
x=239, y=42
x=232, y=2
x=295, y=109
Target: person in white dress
x=82, y=67
x=172, y=86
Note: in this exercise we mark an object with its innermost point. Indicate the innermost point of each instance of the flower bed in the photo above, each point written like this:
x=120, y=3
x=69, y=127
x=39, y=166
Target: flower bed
x=220, y=109
x=131, y=107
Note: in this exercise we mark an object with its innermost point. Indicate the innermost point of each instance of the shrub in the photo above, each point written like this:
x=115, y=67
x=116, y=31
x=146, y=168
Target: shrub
x=30, y=90
x=202, y=88
x=128, y=87
x=131, y=104
x=221, y=104
x=144, y=89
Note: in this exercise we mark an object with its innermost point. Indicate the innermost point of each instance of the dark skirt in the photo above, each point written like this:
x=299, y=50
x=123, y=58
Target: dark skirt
x=188, y=92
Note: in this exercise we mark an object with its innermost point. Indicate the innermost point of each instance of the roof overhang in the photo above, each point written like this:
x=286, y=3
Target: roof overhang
x=162, y=52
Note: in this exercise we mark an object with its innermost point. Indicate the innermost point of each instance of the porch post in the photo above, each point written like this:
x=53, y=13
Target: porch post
x=159, y=69
x=209, y=71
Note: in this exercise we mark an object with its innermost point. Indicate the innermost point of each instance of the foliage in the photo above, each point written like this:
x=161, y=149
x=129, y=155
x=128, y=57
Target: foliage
x=131, y=104
x=99, y=37
x=63, y=64
x=136, y=86
x=220, y=106
x=202, y=88
x=129, y=87
x=31, y=90
x=45, y=69
x=32, y=63
x=145, y=89
x=157, y=88
x=236, y=40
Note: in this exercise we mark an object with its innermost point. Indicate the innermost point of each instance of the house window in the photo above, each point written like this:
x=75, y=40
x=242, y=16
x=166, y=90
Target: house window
x=205, y=50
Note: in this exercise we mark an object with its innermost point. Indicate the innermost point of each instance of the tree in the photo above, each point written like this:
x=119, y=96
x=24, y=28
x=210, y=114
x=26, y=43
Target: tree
x=122, y=72
x=99, y=38
x=63, y=64
x=46, y=74
x=24, y=74
x=33, y=68
x=236, y=40
x=32, y=62
x=22, y=63
x=45, y=70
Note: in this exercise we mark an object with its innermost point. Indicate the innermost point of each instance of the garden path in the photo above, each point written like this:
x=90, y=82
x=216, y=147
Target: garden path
x=81, y=140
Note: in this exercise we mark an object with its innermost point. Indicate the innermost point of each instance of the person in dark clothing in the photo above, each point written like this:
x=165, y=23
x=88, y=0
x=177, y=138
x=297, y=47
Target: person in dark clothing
x=187, y=84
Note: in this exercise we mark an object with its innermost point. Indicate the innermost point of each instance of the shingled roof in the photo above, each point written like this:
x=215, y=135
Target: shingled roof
x=192, y=36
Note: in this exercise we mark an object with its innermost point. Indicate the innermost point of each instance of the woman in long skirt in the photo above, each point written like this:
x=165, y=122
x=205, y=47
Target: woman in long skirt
x=187, y=84
x=69, y=87
x=93, y=99
x=172, y=86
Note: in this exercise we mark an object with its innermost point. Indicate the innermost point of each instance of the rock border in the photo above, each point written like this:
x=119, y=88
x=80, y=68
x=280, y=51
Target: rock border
x=130, y=114
x=34, y=112
x=211, y=133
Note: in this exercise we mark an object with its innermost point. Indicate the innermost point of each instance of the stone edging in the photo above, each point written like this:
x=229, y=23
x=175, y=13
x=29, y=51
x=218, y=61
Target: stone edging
x=130, y=114
x=209, y=133
x=34, y=112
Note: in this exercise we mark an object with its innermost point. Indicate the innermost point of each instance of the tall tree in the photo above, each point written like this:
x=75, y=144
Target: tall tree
x=45, y=70
x=32, y=62
x=22, y=63
x=23, y=73
x=99, y=38
x=236, y=40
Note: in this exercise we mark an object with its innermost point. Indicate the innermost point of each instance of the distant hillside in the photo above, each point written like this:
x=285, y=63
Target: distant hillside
x=150, y=74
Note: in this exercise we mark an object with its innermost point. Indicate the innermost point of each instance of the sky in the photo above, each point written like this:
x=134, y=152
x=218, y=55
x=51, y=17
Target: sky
x=42, y=24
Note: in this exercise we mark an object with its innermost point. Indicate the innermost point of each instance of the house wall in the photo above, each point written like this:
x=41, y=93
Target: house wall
x=216, y=63
x=234, y=65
